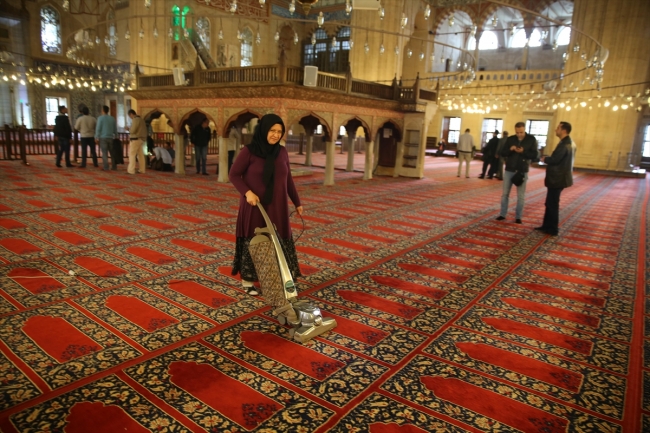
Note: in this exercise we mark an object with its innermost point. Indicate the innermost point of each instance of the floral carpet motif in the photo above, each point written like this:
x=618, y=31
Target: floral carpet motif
x=117, y=303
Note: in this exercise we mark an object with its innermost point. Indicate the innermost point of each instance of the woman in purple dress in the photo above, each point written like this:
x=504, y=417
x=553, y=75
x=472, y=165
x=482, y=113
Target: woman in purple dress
x=261, y=173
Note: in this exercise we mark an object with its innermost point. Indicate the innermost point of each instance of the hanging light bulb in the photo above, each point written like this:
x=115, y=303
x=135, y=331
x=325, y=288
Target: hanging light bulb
x=321, y=19
x=382, y=49
x=421, y=56
x=576, y=48
x=396, y=50
x=239, y=35
x=220, y=35
x=409, y=53
x=313, y=38
x=258, y=38
x=66, y=5
x=404, y=21
x=147, y=3
x=262, y=2
x=127, y=35
x=276, y=37
x=555, y=46
x=292, y=7
x=451, y=21
x=334, y=41
x=170, y=33
x=348, y=7
x=97, y=40
x=382, y=12
x=442, y=60
x=295, y=38
x=427, y=11
x=472, y=31
x=495, y=21
x=432, y=58
x=155, y=32
x=141, y=33
x=351, y=43
x=366, y=47
x=106, y=40
x=186, y=34
x=233, y=7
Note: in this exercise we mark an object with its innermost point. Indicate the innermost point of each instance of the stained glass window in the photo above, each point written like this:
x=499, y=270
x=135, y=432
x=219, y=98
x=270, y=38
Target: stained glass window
x=176, y=16
x=246, y=47
x=50, y=30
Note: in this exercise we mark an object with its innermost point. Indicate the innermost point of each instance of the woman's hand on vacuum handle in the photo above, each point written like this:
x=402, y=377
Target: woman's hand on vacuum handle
x=252, y=198
x=299, y=210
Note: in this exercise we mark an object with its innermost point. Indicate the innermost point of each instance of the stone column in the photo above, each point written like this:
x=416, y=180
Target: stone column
x=330, y=148
x=179, y=160
x=350, y=143
x=223, y=160
x=310, y=145
x=399, y=157
x=369, y=157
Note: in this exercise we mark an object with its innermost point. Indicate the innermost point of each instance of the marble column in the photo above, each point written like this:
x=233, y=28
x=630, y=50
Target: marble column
x=223, y=160
x=179, y=160
x=330, y=148
x=350, y=145
x=369, y=158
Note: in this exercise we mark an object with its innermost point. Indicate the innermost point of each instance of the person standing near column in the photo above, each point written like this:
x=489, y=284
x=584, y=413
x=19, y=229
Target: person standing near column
x=137, y=136
x=518, y=151
x=63, y=133
x=558, y=176
x=465, y=149
x=86, y=125
x=105, y=132
x=502, y=143
x=200, y=138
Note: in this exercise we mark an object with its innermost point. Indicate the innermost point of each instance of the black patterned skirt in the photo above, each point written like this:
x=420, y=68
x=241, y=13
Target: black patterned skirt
x=243, y=263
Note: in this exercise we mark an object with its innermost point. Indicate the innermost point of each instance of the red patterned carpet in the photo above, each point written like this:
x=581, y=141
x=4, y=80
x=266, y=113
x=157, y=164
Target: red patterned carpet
x=448, y=321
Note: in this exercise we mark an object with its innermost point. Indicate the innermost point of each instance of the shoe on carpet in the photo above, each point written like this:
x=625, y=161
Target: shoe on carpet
x=481, y=176
x=500, y=218
x=518, y=221
x=541, y=228
x=205, y=174
x=252, y=291
x=489, y=177
x=59, y=165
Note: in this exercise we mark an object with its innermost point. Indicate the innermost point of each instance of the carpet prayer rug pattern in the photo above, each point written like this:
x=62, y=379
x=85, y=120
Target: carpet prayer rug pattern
x=118, y=310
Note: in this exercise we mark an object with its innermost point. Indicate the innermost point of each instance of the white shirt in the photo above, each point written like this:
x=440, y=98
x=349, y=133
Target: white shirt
x=465, y=142
x=162, y=153
x=86, y=126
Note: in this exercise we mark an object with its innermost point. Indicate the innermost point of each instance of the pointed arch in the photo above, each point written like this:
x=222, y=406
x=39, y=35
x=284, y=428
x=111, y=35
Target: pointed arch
x=357, y=119
x=193, y=118
x=243, y=113
x=395, y=126
x=323, y=122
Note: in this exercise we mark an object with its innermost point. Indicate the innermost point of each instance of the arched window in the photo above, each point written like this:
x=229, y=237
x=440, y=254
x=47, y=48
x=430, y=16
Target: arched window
x=489, y=41
x=112, y=43
x=246, y=47
x=203, y=31
x=564, y=37
x=50, y=30
x=186, y=11
x=519, y=39
x=535, y=39
x=176, y=16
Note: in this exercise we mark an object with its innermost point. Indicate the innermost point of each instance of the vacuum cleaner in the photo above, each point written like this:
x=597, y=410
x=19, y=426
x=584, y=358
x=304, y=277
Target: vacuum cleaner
x=278, y=288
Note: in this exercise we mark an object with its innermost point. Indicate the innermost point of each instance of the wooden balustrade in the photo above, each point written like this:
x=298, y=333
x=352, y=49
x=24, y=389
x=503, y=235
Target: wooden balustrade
x=372, y=89
x=251, y=74
x=332, y=81
x=295, y=75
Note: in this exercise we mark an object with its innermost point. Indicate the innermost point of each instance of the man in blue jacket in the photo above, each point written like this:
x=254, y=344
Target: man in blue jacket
x=558, y=177
x=518, y=151
x=105, y=132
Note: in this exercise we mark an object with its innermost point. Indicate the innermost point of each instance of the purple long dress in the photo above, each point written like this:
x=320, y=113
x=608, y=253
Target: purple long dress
x=245, y=175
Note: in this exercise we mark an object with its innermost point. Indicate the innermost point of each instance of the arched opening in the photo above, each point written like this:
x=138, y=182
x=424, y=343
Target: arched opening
x=389, y=136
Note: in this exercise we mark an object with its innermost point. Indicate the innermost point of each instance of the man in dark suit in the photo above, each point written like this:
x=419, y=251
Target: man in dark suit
x=558, y=177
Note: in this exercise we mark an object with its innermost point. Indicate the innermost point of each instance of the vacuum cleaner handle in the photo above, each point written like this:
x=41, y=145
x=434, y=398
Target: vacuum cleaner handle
x=285, y=273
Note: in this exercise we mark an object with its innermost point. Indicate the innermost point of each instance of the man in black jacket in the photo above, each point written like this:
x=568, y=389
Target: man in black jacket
x=63, y=133
x=490, y=158
x=558, y=177
x=200, y=139
x=518, y=151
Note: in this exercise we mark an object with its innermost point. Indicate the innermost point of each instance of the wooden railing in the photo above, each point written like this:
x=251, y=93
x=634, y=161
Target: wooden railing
x=19, y=143
x=250, y=74
x=282, y=74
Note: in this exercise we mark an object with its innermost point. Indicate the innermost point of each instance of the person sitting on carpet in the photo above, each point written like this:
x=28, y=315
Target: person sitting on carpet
x=261, y=173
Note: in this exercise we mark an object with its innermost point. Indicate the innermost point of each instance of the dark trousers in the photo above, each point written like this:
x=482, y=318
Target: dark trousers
x=552, y=214
x=492, y=163
x=64, y=148
x=201, y=154
x=85, y=143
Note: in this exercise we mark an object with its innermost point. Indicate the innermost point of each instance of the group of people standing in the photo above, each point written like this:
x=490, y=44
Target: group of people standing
x=508, y=159
x=92, y=131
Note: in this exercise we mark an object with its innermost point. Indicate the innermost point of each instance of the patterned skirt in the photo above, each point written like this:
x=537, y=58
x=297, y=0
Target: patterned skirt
x=243, y=263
